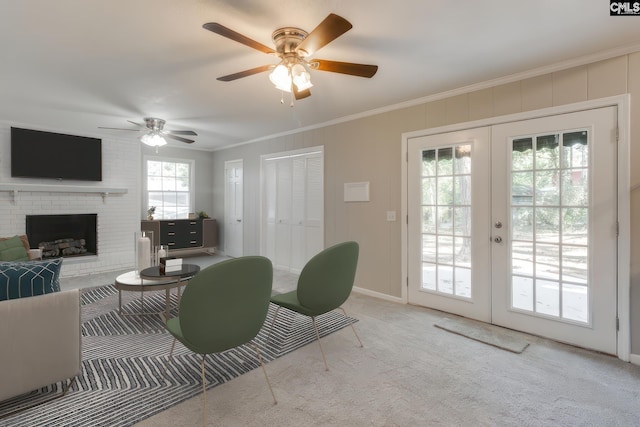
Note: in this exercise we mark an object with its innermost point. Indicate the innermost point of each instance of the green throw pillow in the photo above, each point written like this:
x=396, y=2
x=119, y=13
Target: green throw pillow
x=13, y=250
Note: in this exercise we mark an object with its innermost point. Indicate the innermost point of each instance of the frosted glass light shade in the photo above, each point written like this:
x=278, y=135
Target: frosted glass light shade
x=153, y=140
x=301, y=77
x=281, y=78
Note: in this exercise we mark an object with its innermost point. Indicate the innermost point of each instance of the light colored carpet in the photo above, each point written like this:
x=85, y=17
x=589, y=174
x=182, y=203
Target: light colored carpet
x=410, y=373
x=484, y=333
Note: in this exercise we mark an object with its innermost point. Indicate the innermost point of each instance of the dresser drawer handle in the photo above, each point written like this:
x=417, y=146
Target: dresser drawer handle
x=171, y=233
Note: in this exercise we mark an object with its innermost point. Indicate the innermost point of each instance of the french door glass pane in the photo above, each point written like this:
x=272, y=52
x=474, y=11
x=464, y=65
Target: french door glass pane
x=549, y=225
x=446, y=220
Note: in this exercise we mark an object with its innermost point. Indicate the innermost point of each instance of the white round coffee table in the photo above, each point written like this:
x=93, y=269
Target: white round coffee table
x=132, y=281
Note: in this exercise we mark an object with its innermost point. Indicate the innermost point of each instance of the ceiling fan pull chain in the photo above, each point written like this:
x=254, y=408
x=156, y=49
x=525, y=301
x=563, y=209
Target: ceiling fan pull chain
x=292, y=88
x=281, y=97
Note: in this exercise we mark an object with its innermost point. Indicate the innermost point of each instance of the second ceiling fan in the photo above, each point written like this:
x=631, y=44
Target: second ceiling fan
x=294, y=46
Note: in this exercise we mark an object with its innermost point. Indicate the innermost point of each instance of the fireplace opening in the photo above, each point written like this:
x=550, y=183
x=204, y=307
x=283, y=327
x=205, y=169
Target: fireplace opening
x=63, y=235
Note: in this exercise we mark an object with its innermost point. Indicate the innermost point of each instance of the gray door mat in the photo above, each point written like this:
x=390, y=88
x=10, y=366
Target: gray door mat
x=484, y=333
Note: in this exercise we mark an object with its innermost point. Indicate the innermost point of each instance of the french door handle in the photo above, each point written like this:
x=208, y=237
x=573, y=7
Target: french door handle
x=498, y=224
x=498, y=239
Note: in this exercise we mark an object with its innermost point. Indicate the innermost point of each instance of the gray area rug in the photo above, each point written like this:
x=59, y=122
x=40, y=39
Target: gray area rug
x=484, y=333
x=121, y=381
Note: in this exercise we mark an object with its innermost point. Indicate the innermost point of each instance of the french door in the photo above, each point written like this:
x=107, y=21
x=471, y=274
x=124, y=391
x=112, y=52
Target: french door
x=516, y=225
x=449, y=242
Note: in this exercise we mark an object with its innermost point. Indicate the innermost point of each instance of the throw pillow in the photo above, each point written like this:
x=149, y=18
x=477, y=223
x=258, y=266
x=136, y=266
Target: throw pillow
x=23, y=237
x=12, y=249
x=24, y=279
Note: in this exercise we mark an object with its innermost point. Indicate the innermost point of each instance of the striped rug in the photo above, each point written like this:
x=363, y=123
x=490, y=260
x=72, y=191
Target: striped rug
x=121, y=381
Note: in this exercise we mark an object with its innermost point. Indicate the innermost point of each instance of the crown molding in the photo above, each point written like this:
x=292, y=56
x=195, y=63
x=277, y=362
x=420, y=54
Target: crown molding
x=535, y=72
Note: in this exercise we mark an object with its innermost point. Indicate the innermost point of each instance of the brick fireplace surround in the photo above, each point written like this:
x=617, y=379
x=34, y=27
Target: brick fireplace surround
x=118, y=214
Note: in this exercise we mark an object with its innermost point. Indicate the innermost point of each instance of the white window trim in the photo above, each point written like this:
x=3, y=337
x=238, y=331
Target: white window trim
x=192, y=180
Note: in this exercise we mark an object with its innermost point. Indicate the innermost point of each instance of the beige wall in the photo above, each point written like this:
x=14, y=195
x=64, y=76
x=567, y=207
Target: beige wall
x=369, y=149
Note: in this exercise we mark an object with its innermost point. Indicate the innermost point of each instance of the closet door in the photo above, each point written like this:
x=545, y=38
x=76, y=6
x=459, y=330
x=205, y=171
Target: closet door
x=268, y=244
x=298, y=220
x=314, y=205
x=293, y=209
x=284, y=199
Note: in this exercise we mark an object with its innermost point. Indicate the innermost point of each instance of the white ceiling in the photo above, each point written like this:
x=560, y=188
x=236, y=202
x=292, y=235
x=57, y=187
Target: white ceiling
x=75, y=65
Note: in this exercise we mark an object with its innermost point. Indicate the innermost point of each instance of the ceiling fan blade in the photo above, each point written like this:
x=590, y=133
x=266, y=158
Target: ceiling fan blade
x=360, y=70
x=137, y=124
x=179, y=138
x=230, y=34
x=245, y=73
x=301, y=94
x=132, y=130
x=328, y=30
x=182, y=132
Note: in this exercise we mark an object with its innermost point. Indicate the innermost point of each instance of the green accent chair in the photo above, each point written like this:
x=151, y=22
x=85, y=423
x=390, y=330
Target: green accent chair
x=324, y=285
x=222, y=307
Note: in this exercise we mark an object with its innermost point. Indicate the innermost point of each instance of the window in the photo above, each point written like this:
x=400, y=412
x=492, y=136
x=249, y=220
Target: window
x=169, y=187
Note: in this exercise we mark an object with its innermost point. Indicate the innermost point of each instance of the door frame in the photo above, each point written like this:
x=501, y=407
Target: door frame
x=622, y=102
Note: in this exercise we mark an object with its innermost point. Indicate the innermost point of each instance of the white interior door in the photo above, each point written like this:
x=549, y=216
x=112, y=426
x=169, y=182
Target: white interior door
x=515, y=224
x=284, y=184
x=314, y=205
x=555, y=256
x=233, y=209
x=292, y=208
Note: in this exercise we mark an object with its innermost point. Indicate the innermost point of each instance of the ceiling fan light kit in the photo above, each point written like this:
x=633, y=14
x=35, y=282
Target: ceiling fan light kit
x=283, y=76
x=293, y=46
x=153, y=140
x=155, y=134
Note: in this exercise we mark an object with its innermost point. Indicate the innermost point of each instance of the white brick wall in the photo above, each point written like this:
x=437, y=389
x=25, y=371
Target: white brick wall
x=118, y=214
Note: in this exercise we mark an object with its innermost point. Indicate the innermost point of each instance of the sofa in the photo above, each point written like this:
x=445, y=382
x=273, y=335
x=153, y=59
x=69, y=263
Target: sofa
x=39, y=328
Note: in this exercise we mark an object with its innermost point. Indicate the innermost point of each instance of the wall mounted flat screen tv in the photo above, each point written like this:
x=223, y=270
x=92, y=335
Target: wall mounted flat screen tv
x=38, y=154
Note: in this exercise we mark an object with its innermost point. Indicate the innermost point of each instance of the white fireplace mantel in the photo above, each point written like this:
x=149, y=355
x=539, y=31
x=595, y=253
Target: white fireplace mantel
x=60, y=188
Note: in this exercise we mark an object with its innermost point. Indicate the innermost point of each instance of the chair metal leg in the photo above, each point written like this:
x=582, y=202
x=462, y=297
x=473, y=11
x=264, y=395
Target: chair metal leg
x=166, y=364
x=273, y=322
x=66, y=385
x=275, y=402
x=204, y=395
x=315, y=328
x=352, y=328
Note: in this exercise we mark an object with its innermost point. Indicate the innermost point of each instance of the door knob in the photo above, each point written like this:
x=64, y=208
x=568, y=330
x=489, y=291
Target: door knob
x=498, y=224
x=498, y=239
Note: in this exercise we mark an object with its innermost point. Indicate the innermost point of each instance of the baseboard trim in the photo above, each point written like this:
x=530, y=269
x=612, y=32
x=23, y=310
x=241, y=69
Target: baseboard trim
x=634, y=358
x=379, y=295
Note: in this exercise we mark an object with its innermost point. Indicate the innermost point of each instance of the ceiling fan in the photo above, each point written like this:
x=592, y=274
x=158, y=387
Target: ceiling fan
x=294, y=46
x=155, y=133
